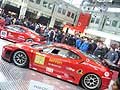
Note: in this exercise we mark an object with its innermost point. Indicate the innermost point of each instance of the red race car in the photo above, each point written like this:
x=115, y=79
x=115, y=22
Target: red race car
x=61, y=61
x=17, y=33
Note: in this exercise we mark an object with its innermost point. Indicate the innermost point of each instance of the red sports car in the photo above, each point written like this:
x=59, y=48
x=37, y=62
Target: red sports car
x=17, y=33
x=61, y=61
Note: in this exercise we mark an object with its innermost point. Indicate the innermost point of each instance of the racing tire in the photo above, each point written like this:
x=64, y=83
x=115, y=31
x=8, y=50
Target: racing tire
x=91, y=82
x=20, y=59
x=29, y=40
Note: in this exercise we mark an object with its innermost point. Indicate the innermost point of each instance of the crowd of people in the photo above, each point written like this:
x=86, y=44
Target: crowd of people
x=85, y=44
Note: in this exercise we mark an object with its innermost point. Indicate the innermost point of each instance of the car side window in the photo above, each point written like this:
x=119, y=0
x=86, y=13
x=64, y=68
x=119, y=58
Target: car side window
x=19, y=29
x=58, y=51
x=47, y=50
x=72, y=55
x=65, y=53
x=55, y=51
x=11, y=28
x=15, y=28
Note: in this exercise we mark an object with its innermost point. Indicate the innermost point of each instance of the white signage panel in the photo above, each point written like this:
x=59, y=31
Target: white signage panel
x=35, y=85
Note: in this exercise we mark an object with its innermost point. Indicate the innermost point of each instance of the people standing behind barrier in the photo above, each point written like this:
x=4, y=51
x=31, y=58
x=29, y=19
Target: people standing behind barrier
x=14, y=20
x=18, y=22
x=59, y=36
x=92, y=46
x=99, y=51
x=105, y=49
x=116, y=84
x=71, y=40
x=118, y=51
x=37, y=28
x=78, y=42
x=46, y=30
x=51, y=35
x=112, y=55
x=32, y=26
x=85, y=45
x=8, y=20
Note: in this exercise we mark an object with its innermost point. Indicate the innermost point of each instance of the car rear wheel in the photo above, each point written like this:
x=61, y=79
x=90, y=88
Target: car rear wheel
x=91, y=82
x=29, y=40
x=20, y=58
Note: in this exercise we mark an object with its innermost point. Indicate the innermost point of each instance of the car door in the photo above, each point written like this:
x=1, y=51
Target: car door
x=41, y=59
x=48, y=61
x=20, y=34
x=11, y=33
x=15, y=33
x=73, y=66
x=66, y=64
x=55, y=62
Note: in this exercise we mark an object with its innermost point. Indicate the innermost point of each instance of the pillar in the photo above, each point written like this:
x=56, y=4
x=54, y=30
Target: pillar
x=39, y=14
x=23, y=10
x=52, y=22
x=107, y=42
x=53, y=15
x=3, y=3
x=102, y=21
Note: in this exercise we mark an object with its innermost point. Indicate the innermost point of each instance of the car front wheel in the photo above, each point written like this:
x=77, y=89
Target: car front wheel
x=20, y=58
x=91, y=82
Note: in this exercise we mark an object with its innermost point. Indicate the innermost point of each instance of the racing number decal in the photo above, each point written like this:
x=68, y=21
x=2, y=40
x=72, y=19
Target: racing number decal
x=39, y=59
x=3, y=33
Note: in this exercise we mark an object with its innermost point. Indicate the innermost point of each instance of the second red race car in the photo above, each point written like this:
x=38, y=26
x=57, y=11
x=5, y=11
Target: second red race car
x=17, y=33
x=61, y=61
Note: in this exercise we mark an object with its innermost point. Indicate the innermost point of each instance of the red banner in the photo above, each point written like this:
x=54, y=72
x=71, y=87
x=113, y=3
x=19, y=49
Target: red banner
x=84, y=19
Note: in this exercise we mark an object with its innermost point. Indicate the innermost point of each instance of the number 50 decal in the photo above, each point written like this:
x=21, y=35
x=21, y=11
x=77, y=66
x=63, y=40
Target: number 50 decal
x=3, y=33
x=39, y=59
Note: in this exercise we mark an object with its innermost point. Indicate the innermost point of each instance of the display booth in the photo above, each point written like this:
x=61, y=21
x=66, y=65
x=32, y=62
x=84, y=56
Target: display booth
x=82, y=24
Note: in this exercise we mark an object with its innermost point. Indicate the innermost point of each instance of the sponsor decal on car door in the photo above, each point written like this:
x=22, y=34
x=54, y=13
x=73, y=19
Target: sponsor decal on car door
x=12, y=35
x=56, y=64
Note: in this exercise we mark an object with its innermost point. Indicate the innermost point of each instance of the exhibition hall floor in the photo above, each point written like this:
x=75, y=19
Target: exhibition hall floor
x=15, y=78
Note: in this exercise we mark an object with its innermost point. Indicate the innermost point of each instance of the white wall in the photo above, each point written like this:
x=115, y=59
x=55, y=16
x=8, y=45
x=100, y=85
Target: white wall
x=103, y=34
x=48, y=12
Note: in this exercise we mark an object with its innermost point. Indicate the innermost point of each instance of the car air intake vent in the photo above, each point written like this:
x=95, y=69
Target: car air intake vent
x=8, y=53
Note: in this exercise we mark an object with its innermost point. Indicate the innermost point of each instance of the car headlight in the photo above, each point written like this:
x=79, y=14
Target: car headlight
x=106, y=74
